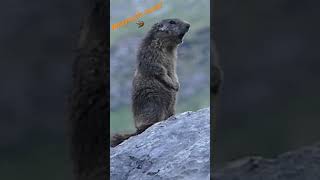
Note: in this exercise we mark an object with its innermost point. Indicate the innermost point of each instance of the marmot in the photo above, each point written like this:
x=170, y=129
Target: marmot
x=155, y=83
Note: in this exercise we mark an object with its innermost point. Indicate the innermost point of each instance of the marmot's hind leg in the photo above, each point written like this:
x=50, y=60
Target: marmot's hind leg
x=149, y=114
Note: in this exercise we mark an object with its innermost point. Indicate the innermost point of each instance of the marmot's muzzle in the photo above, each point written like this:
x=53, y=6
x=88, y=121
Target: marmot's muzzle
x=186, y=29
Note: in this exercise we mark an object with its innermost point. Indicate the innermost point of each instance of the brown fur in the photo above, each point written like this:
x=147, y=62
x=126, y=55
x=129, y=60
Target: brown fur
x=155, y=83
x=217, y=72
x=217, y=83
x=87, y=113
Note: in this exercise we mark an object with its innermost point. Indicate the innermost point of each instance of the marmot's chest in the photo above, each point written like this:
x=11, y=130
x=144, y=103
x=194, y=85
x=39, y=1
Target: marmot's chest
x=169, y=62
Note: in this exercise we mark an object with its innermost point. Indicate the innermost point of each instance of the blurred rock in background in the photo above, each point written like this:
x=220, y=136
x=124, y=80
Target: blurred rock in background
x=270, y=56
x=37, y=40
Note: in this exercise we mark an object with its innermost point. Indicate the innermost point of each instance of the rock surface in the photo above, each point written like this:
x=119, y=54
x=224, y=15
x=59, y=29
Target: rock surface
x=302, y=164
x=173, y=149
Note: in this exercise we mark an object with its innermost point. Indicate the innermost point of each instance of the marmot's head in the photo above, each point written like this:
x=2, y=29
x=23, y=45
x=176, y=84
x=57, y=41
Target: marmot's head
x=169, y=31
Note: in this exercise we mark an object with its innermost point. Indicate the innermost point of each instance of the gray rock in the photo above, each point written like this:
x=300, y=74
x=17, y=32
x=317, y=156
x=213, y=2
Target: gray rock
x=302, y=164
x=178, y=148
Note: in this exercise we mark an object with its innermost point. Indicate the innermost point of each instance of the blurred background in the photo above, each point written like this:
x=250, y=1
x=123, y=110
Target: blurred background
x=193, y=66
x=270, y=102
x=37, y=39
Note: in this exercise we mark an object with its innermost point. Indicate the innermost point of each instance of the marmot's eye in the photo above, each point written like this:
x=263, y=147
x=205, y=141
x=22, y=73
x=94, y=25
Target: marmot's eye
x=172, y=22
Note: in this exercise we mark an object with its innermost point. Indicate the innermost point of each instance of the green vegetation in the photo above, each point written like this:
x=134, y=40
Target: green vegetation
x=121, y=120
x=195, y=102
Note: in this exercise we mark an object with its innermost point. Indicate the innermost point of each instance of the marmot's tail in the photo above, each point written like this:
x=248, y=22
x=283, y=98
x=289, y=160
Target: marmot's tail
x=119, y=138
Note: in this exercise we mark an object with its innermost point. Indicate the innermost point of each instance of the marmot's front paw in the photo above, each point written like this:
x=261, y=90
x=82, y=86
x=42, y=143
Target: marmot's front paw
x=173, y=117
x=176, y=86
